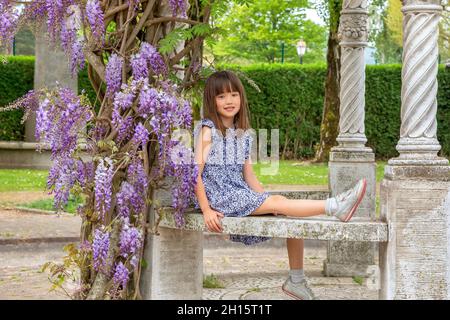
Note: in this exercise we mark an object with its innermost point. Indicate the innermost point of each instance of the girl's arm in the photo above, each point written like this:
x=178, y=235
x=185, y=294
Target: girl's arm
x=250, y=177
x=210, y=216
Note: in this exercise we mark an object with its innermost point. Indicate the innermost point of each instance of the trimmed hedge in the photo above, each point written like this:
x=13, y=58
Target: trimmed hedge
x=16, y=79
x=289, y=97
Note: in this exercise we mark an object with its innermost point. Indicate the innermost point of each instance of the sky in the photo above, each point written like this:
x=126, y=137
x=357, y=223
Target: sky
x=312, y=15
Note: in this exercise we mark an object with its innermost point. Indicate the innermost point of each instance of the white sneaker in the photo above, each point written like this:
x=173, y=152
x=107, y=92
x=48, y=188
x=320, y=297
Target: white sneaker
x=299, y=291
x=344, y=205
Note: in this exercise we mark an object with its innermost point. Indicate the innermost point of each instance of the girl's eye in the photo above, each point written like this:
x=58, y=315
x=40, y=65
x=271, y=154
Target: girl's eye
x=235, y=94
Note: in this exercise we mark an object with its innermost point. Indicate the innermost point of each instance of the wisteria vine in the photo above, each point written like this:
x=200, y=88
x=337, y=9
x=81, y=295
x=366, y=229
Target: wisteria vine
x=117, y=154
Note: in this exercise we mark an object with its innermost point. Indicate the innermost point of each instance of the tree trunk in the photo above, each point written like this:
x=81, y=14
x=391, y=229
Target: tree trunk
x=329, y=128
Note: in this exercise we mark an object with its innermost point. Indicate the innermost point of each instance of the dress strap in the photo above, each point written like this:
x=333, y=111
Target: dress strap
x=201, y=123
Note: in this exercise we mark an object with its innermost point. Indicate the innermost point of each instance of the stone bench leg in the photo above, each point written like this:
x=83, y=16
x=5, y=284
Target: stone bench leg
x=175, y=265
x=415, y=263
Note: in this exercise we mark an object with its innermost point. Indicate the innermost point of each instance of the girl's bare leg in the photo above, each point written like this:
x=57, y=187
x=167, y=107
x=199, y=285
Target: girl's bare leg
x=295, y=248
x=278, y=204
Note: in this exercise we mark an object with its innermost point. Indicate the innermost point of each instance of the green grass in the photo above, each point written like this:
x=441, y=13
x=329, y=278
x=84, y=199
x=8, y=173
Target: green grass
x=295, y=172
x=22, y=180
x=212, y=282
x=289, y=172
x=47, y=204
x=359, y=280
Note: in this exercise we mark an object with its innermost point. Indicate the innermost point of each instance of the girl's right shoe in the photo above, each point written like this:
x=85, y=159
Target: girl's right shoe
x=344, y=205
x=298, y=291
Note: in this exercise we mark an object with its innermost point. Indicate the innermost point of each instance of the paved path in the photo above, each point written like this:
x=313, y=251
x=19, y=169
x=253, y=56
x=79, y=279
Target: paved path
x=28, y=240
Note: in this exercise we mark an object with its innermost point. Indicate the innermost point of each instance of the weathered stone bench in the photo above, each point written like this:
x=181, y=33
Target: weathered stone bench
x=177, y=253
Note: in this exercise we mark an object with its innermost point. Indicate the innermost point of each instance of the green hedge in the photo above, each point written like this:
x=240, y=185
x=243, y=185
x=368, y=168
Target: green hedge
x=16, y=79
x=289, y=97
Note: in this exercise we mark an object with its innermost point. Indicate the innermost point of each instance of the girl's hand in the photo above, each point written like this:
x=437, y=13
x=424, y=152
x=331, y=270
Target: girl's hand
x=212, y=220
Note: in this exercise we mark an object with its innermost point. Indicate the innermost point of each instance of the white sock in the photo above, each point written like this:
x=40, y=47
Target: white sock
x=296, y=275
x=330, y=206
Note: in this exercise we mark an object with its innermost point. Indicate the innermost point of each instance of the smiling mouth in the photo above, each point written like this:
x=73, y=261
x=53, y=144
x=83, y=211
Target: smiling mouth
x=229, y=108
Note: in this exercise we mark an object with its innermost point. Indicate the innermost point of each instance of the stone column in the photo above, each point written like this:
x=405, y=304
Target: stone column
x=415, y=192
x=351, y=160
x=51, y=65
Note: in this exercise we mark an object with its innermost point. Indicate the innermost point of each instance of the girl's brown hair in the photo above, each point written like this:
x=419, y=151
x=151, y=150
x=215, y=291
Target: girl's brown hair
x=220, y=82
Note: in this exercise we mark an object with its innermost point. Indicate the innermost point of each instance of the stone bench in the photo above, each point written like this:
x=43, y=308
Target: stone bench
x=176, y=253
x=314, y=228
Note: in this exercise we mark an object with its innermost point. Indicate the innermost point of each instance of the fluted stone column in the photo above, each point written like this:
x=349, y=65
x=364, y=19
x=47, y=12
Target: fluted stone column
x=415, y=192
x=51, y=65
x=351, y=160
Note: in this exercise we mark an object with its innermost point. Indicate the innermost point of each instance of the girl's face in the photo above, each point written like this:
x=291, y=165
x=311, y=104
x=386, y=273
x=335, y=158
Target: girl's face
x=228, y=104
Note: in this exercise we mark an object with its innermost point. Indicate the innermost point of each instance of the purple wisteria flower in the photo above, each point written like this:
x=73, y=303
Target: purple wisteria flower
x=125, y=129
x=121, y=275
x=148, y=102
x=85, y=246
x=95, y=17
x=62, y=176
x=134, y=261
x=36, y=10
x=100, y=249
x=137, y=177
x=44, y=123
x=8, y=22
x=103, y=186
x=140, y=136
x=133, y=192
x=183, y=191
x=178, y=6
x=125, y=194
x=113, y=74
x=146, y=56
x=130, y=239
x=77, y=57
x=122, y=101
x=55, y=16
x=139, y=66
x=70, y=27
x=85, y=173
x=154, y=58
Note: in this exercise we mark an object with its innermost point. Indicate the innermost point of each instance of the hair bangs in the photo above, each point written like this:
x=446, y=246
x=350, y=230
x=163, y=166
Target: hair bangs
x=225, y=84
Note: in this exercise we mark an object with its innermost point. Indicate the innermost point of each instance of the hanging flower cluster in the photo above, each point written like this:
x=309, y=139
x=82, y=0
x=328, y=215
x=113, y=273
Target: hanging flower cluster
x=178, y=7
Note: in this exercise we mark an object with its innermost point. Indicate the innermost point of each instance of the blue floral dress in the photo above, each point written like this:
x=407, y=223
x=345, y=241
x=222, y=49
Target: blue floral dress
x=222, y=176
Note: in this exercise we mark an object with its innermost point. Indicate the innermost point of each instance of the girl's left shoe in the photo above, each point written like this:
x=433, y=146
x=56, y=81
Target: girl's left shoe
x=344, y=205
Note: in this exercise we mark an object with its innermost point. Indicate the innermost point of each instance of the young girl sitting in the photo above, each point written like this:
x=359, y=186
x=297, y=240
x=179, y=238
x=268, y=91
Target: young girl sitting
x=227, y=185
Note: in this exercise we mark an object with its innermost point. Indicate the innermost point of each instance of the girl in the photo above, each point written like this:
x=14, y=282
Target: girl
x=229, y=187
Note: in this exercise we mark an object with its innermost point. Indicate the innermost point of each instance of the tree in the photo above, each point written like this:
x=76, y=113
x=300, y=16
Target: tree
x=329, y=128
x=256, y=33
x=394, y=21
x=388, y=50
x=141, y=55
x=388, y=33
x=444, y=34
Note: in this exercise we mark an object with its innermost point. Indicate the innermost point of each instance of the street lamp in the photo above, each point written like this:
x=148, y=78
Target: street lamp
x=301, y=49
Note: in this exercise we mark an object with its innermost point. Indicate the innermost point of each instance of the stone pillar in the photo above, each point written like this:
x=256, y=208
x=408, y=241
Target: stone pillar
x=351, y=160
x=415, y=192
x=50, y=65
x=175, y=261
